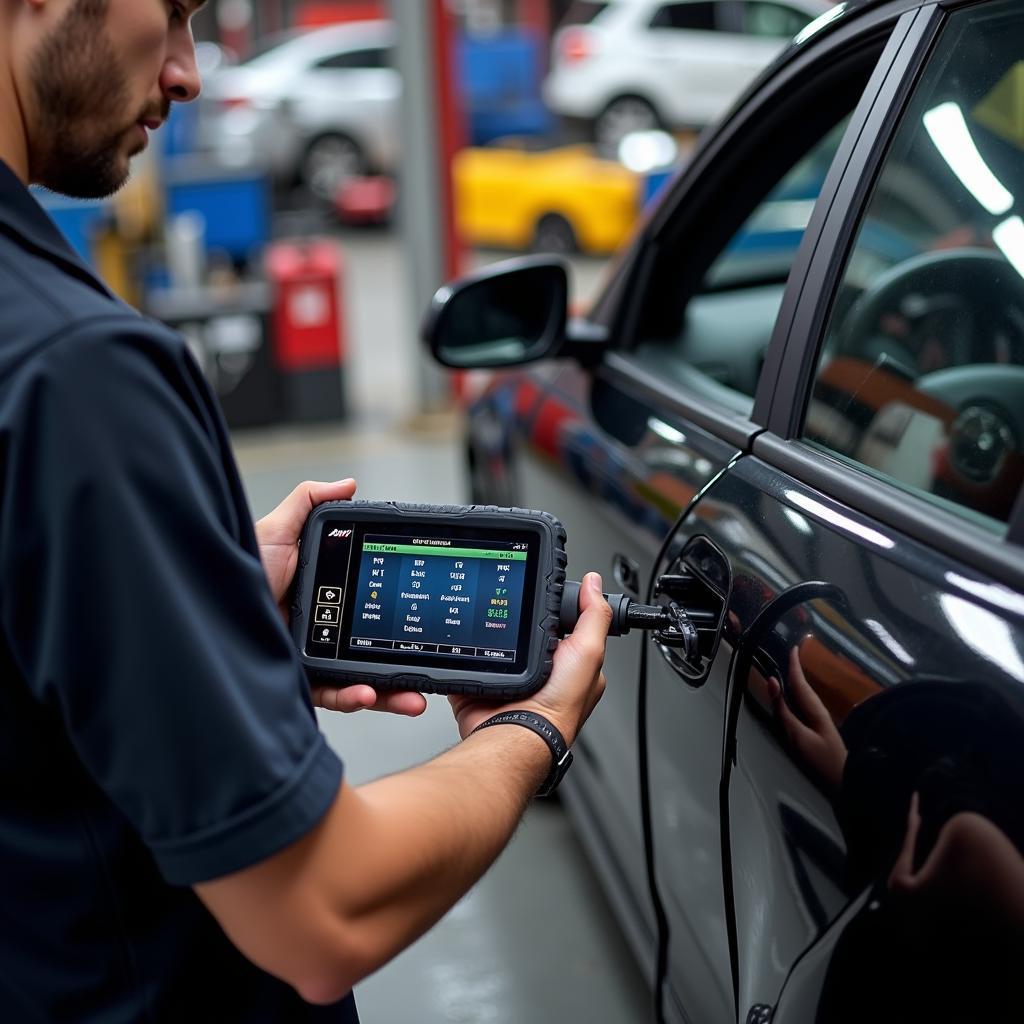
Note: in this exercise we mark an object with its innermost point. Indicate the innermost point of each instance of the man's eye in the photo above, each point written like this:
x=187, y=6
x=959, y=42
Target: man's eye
x=178, y=12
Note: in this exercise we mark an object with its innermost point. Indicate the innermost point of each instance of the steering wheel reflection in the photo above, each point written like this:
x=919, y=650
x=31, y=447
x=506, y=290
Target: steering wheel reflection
x=940, y=310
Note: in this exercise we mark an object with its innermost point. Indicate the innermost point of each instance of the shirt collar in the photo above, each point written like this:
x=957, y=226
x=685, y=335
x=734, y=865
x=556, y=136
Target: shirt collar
x=23, y=217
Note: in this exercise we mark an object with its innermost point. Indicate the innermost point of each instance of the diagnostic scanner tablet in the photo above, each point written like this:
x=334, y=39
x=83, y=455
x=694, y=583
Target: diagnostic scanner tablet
x=440, y=599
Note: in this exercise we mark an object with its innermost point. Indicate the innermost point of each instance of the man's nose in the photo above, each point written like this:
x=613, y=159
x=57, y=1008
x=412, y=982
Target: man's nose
x=179, y=79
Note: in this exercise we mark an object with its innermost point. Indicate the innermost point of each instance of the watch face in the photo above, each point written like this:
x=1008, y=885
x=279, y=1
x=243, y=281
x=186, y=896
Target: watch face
x=557, y=774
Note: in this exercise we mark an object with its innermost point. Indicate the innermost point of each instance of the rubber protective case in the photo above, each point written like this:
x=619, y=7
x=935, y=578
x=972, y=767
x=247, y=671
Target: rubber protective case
x=547, y=600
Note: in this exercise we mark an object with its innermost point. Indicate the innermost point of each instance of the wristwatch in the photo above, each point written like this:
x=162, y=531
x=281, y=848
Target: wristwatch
x=561, y=755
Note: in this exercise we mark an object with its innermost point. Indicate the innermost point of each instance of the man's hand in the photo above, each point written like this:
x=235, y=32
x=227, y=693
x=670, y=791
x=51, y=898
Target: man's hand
x=810, y=729
x=278, y=537
x=576, y=682
x=278, y=532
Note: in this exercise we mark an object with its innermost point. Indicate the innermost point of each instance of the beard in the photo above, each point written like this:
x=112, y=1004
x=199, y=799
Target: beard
x=80, y=92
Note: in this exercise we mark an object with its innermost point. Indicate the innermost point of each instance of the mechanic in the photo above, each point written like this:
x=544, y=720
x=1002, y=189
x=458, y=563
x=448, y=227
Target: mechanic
x=177, y=841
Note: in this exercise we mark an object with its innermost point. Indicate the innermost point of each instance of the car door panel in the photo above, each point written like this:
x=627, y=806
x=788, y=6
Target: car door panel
x=618, y=474
x=801, y=844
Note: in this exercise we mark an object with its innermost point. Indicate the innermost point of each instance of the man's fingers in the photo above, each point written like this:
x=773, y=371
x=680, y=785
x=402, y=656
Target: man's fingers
x=795, y=729
x=344, y=699
x=807, y=700
x=362, y=697
x=290, y=516
x=591, y=632
x=402, y=703
x=902, y=875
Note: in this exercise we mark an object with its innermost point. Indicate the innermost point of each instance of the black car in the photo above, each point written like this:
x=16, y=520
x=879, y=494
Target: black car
x=797, y=411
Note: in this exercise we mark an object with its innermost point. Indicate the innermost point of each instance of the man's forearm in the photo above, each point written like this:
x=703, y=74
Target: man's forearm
x=428, y=834
x=387, y=861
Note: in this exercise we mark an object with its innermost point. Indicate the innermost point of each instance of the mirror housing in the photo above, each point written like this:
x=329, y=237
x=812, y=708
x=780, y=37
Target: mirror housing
x=513, y=313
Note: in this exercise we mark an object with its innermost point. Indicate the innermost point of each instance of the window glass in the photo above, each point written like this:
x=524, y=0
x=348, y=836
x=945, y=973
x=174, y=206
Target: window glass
x=717, y=345
x=699, y=16
x=356, y=59
x=921, y=377
x=763, y=250
x=582, y=12
x=762, y=18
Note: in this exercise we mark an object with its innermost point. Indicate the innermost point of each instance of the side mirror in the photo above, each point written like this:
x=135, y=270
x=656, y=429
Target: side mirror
x=512, y=313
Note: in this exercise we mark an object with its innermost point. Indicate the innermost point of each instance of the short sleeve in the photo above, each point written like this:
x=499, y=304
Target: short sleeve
x=137, y=608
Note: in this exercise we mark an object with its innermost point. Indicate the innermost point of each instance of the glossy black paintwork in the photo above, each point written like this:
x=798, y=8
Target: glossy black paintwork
x=757, y=845
x=834, y=811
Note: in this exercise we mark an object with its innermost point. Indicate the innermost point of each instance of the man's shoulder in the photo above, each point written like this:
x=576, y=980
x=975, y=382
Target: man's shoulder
x=39, y=292
x=48, y=313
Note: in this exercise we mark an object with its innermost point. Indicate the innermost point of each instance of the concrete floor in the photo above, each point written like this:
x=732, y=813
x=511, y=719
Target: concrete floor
x=534, y=942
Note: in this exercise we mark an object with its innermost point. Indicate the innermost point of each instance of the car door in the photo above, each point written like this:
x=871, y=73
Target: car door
x=867, y=555
x=699, y=312
x=621, y=452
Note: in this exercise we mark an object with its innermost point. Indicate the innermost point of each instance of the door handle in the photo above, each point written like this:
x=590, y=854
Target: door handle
x=626, y=574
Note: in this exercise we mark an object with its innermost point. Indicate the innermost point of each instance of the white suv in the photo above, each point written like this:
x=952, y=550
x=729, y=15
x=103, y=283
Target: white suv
x=634, y=65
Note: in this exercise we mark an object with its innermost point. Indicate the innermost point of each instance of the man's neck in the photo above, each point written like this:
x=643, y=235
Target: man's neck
x=13, y=144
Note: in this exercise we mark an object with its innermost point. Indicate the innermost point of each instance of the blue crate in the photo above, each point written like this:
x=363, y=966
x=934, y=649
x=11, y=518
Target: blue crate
x=77, y=219
x=235, y=205
x=500, y=78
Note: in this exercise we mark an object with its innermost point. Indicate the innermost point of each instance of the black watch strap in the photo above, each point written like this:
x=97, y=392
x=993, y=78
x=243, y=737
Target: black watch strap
x=561, y=755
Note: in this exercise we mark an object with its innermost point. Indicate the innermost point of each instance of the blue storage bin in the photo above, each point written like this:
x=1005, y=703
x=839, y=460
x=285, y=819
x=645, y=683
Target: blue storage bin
x=234, y=204
x=500, y=78
x=77, y=219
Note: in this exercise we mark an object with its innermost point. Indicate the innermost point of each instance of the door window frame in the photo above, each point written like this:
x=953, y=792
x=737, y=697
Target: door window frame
x=785, y=392
x=691, y=198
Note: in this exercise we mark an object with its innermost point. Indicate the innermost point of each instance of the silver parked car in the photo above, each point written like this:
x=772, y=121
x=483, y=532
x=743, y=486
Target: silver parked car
x=313, y=107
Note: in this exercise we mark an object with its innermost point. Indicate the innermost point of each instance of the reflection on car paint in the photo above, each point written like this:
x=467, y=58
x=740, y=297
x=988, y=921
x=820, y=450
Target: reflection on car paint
x=920, y=857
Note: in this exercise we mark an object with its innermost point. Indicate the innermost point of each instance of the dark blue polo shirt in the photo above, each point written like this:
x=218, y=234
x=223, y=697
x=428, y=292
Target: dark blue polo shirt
x=155, y=725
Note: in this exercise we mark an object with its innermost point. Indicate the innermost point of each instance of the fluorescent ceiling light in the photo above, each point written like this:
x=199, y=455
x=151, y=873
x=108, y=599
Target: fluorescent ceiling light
x=837, y=519
x=663, y=430
x=1009, y=236
x=814, y=27
x=948, y=130
x=985, y=633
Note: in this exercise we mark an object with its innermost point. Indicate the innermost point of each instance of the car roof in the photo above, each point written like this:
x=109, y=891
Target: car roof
x=348, y=35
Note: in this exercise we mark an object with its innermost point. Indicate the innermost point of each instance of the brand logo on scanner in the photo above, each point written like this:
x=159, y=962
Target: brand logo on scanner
x=340, y=533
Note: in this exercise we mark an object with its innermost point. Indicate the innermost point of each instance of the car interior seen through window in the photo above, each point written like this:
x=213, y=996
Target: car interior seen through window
x=921, y=377
x=763, y=18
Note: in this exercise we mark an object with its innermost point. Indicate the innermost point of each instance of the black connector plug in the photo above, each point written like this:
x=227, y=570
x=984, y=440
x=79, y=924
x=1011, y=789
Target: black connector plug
x=671, y=623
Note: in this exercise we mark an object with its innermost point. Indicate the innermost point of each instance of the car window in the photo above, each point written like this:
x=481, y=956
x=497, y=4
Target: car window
x=582, y=12
x=762, y=18
x=715, y=343
x=372, y=57
x=763, y=250
x=921, y=377
x=698, y=16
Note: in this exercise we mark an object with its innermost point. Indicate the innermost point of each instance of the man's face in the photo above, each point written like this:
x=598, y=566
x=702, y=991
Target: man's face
x=100, y=82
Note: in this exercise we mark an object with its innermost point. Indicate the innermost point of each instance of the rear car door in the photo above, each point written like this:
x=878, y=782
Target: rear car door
x=866, y=559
